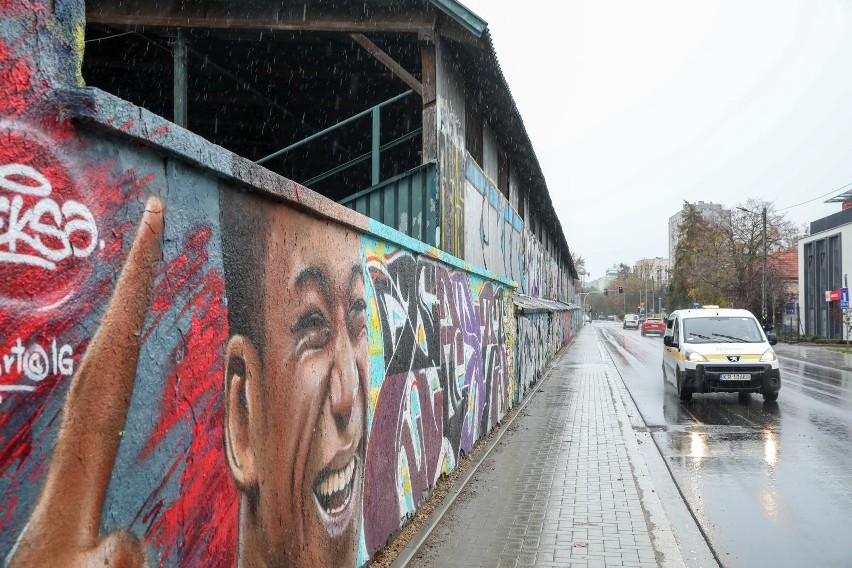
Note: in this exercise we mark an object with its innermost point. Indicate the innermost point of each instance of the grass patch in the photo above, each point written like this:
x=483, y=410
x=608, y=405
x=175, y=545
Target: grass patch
x=841, y=350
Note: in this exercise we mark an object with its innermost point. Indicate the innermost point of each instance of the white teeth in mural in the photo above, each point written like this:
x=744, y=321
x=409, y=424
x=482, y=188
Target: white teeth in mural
x=333, y=489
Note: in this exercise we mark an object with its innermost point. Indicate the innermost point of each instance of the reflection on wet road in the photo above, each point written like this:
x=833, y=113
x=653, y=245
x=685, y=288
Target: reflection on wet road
x=769, y=483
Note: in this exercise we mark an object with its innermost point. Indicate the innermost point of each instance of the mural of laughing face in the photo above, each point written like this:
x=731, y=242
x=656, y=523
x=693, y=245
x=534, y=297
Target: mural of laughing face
x=295, y=392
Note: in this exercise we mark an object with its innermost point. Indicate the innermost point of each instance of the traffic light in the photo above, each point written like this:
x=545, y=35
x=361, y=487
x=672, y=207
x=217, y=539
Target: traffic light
x=606, y=291
x=621, y=289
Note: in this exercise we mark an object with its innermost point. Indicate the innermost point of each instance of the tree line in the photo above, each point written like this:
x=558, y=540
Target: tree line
x=718, y=260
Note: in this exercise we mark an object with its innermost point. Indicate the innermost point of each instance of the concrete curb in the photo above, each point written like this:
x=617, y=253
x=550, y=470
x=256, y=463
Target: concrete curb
x=647, y=463
x=662, y=537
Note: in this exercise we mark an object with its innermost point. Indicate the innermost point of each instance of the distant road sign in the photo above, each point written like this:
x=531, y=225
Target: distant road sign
x=844, y=298
x=695, y=305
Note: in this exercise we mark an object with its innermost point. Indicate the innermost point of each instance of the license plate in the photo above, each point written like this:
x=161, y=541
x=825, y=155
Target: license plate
x=734, y=377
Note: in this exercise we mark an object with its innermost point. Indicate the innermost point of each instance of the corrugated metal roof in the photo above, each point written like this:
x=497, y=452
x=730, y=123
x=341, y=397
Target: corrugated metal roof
x=841, y=198
x=461, y=14
x=479, y=27
x=553, y=217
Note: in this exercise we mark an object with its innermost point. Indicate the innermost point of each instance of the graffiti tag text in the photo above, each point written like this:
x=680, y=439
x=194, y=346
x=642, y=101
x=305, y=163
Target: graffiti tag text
x=40, y=233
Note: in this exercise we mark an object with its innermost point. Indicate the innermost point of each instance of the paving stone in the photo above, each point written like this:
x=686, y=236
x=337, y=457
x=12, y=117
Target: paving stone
x=558, y=490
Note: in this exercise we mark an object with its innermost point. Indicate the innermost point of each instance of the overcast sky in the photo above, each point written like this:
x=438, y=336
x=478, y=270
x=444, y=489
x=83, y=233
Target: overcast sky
x=635, y=106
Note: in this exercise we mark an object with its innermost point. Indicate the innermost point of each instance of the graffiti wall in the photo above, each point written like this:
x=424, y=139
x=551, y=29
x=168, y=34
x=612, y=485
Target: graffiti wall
x=451, y=148
x=493, y=230
x=441, y=377
x=541, y=272
x=196, y=374
x=204, y=364
x=540, y=336
x=478, y=223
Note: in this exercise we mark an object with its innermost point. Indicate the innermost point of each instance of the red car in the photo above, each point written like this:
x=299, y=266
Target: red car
x=653, y=325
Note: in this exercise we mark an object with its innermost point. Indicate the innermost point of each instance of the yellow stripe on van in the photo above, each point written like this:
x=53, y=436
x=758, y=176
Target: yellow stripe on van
x=677, y=354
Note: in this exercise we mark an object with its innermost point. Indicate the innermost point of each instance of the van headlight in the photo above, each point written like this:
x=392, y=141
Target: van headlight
x=694, y=356
x=768, y=356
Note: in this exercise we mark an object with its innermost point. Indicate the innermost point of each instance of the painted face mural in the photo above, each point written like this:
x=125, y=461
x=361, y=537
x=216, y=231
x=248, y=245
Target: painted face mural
x=294, y=404
x=111, y=387
x=296, y=366
x=192, y=375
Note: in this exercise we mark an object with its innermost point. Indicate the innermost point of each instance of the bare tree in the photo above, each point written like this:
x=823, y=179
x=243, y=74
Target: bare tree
x=721, y=260
x=746, y=254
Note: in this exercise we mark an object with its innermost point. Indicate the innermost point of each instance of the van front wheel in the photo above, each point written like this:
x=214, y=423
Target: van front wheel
x=683, y=393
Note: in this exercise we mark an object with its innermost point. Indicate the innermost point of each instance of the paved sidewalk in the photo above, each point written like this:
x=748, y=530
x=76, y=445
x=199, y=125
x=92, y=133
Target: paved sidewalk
x=565, y=486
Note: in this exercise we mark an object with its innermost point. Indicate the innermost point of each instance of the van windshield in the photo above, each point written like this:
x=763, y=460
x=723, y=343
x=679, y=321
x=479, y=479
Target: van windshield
x=722, y=330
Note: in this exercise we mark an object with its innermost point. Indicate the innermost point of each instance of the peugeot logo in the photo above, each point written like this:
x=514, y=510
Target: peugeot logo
x=733, y=358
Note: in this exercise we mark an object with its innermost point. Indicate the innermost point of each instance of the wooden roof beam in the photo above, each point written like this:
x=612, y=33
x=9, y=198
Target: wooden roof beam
x=406, y=25
x=388, y=62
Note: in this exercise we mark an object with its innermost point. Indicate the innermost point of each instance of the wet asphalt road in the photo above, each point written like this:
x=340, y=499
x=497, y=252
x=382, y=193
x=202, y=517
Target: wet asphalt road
x=770, y=484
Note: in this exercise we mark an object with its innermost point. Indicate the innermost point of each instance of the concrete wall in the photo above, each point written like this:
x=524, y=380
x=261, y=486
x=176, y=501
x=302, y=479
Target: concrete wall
x=198, y=353
x=493, y=231
x=540, y=336
x=204, y=363
x=541, y=273
x=449, y=88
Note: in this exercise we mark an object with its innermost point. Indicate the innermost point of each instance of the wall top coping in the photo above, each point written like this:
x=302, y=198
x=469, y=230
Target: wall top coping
x=529, y=304
x=104, y=112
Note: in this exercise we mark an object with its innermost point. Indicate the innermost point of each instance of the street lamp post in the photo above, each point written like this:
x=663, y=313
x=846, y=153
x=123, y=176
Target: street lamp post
x=583, y=296
x=763, y=289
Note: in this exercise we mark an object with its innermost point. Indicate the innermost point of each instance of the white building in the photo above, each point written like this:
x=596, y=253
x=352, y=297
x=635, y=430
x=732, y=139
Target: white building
x=610, y=275
x=825, y=259
x=710, y=211
x=655, y=268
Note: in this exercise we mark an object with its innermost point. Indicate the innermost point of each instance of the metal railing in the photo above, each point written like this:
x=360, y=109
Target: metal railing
x=374, y=155
x=407, y=202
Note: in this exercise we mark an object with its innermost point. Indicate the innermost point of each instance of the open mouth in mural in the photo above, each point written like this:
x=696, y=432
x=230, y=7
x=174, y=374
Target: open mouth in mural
x=333, y=492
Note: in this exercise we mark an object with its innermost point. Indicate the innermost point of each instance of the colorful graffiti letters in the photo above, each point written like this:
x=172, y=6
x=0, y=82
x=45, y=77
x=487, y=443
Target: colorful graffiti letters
x=446, y=379
x=200, y=371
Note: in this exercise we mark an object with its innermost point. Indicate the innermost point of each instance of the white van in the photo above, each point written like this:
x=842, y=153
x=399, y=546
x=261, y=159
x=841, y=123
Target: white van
x=714, y=349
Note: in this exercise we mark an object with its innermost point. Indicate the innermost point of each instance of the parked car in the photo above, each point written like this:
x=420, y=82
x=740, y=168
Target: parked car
x=714, y=349
x=653, y=325
x=631, y=320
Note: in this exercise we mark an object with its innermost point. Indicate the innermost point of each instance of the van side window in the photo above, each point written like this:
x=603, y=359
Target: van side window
x=676, y=332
